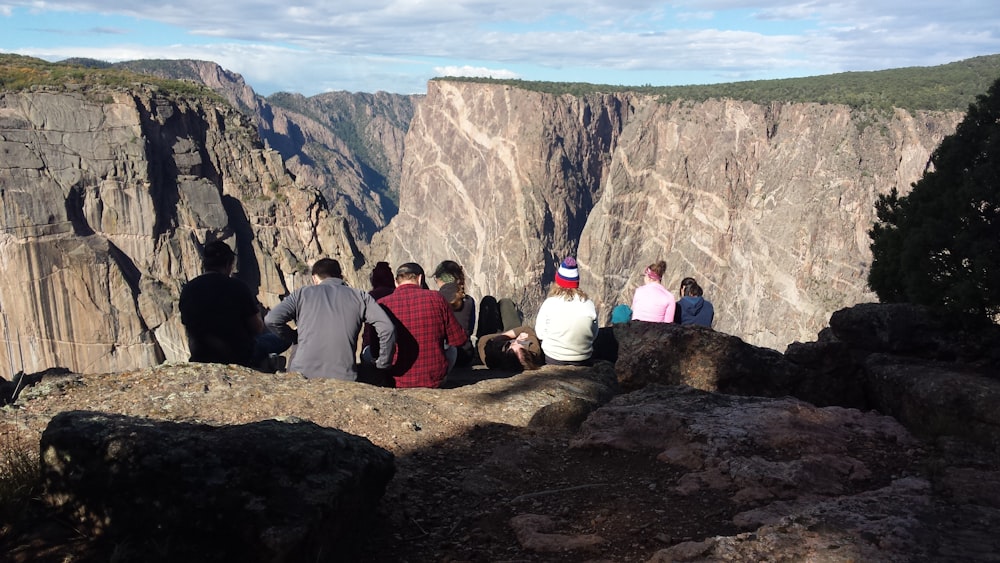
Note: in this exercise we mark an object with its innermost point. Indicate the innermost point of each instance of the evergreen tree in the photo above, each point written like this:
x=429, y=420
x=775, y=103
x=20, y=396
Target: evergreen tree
x=940, y=245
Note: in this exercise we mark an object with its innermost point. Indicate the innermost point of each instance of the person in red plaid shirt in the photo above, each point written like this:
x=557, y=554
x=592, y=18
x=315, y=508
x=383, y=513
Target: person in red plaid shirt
x=424, y=323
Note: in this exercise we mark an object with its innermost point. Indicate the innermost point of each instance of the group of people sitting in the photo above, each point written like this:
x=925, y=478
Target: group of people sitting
x=654, y=303
x=410, y=335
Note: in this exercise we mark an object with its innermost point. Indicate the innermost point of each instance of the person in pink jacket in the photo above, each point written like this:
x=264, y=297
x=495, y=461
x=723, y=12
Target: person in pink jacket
x=652, y=302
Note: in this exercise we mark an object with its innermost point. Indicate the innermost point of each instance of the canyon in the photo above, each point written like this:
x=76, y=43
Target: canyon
x=107, y=193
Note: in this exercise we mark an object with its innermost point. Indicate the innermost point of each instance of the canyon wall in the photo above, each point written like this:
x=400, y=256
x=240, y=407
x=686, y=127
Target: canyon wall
x=106, y=196
x=348, y=145
x=501, y=180
x=767, y=206
x=107, y=193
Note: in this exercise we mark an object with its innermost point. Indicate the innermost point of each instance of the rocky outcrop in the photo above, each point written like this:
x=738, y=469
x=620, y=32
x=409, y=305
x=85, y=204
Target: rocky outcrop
x=778, y=461
x=277, y=491
x=931, y=373
x=349, y=145
x=106, y=195
x=701, y=358
x=935, y=377
x=768, y=206
x=501, y=467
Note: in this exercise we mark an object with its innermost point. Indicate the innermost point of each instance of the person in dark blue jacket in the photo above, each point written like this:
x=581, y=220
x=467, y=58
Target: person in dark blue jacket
x=693, y=309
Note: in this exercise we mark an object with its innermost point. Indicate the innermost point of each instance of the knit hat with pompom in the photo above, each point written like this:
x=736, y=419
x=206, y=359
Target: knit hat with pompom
x=568, y=275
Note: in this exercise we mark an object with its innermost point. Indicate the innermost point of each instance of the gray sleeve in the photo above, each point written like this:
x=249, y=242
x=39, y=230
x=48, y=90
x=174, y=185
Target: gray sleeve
x=376, y=316
x=277, y=319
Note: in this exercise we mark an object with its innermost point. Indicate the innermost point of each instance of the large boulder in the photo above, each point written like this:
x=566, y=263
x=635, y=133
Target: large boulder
x=702, y=358
x=912, y=330
x=936, y=398
x=276, y=491
x=927, y=370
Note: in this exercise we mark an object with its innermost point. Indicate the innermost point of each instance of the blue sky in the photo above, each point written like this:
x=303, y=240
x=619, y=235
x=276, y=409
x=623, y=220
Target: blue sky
x=314, y=46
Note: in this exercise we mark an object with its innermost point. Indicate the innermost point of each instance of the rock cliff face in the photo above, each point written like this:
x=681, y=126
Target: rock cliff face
x=768, y=207
x=502, y=180
x=105, y=196
x=349, y=145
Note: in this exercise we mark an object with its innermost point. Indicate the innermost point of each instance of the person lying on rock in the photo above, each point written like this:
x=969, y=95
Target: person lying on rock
x=515, y=350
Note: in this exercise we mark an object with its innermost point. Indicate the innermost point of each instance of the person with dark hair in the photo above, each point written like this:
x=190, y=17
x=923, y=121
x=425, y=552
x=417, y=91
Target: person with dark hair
x=652, y=302
x=450, y=279
x=329, y=316
x=515, y=350
x=693, y=309
x=383, y=284
x=424, y=324
x=382, y=280
x=566, y=322
x=220, y=313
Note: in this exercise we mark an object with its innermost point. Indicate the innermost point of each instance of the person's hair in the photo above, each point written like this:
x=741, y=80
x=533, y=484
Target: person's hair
x=381, y=275
x=450, y=271
x=658, y=268
x=694, y=290
x=326, y=268
x=686, y=284
x=567, y=293
x=411, y=271
x=217, y=256
x=530, y=360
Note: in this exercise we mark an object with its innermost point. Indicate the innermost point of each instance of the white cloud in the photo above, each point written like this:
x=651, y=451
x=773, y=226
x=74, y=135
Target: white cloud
x=396, y=45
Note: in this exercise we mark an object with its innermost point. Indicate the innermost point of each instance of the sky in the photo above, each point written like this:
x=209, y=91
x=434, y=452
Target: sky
x=315, y=46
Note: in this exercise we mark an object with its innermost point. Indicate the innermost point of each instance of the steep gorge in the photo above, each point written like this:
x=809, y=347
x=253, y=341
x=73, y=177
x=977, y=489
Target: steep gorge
x=105, y=192
x=767, y=206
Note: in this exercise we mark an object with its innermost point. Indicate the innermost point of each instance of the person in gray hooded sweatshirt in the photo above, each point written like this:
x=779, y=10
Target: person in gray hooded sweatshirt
x=329, y=316
x=693, y=309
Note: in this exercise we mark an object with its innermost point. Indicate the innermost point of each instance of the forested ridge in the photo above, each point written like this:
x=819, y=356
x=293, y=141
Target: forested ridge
x=951, y=86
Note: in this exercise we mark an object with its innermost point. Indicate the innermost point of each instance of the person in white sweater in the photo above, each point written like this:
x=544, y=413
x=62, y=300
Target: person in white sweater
x=566, y=322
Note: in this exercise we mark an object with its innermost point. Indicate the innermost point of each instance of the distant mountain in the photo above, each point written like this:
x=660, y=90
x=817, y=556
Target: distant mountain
x=350, y=146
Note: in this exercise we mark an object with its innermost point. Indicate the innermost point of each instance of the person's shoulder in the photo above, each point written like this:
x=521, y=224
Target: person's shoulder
x=435, y=297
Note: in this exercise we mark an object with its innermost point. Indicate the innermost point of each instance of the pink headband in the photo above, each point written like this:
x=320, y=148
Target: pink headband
x=652, y=275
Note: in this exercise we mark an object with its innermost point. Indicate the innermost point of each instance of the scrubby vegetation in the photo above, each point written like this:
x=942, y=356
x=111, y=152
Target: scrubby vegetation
x=951, y=86
x=20, y=73
x=20, y=477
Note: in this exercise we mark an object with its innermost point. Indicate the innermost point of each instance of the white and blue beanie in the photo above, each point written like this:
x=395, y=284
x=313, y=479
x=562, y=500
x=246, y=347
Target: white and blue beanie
x=568, y=275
